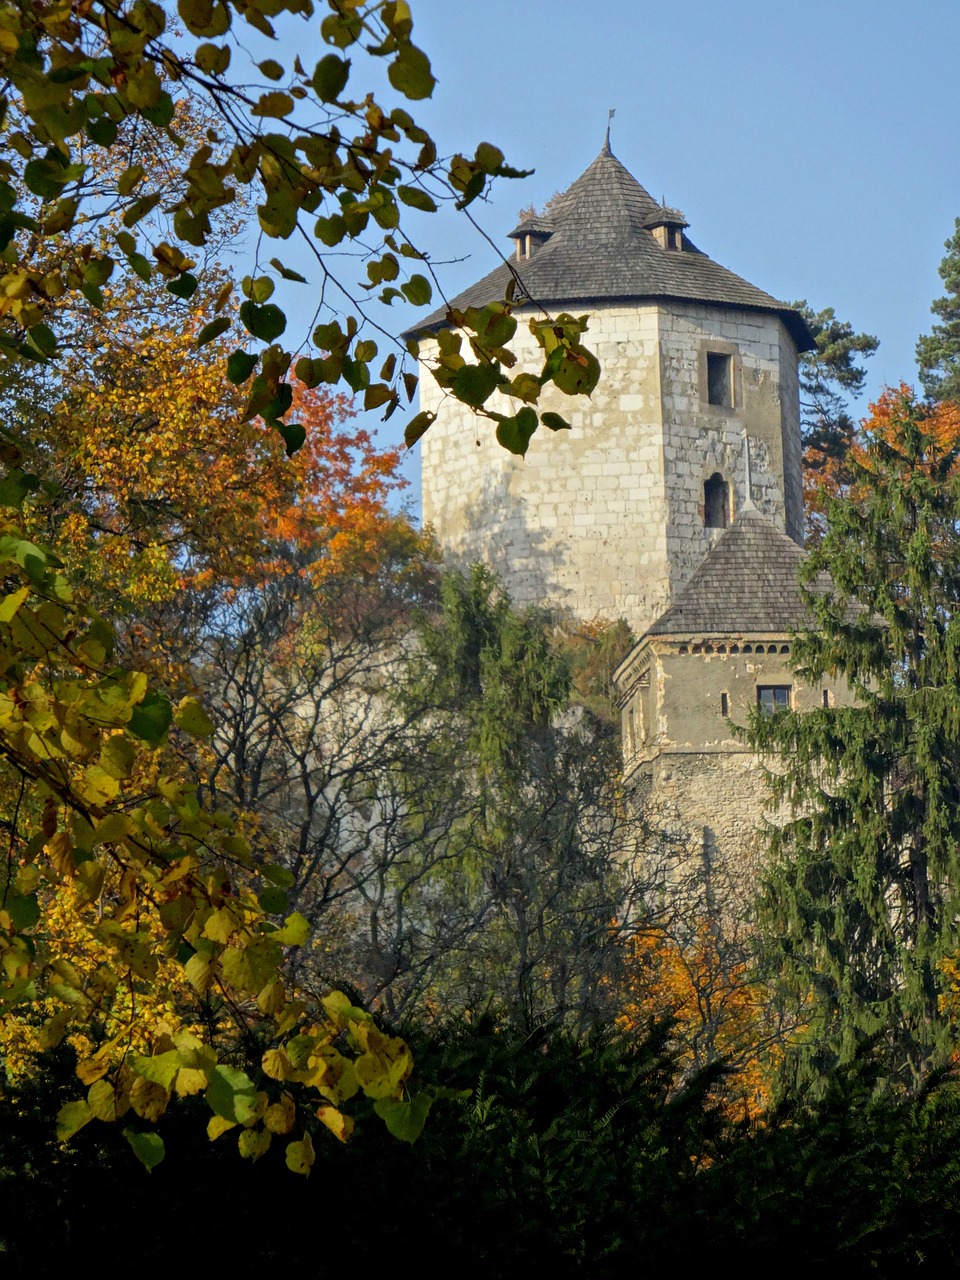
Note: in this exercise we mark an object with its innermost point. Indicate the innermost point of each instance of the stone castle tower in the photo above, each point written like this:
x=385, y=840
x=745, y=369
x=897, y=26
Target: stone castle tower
x=612, y=518
x=675, y=501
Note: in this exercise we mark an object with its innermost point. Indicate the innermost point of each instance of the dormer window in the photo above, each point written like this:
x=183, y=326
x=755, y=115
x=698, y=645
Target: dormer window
x=666, y=226
x=530, y=235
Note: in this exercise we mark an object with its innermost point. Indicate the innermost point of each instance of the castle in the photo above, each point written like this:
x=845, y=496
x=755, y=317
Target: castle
x=675, y=500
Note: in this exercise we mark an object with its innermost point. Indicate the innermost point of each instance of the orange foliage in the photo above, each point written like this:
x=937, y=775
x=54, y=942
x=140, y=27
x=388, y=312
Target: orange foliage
x=160, y=487
x=719, y=1013
x=827, y=477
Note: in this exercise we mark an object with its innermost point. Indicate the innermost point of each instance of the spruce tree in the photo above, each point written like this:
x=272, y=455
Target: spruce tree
x=938, y=352
x=863, y=898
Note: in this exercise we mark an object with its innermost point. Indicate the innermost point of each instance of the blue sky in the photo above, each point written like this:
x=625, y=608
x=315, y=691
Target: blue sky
x=814, y=148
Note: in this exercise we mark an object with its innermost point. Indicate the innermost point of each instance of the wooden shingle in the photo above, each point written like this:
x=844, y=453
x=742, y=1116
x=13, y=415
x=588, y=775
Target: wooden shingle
x=601, y=250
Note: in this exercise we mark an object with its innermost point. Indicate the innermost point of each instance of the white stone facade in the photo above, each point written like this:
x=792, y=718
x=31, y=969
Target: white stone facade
x=607, y=520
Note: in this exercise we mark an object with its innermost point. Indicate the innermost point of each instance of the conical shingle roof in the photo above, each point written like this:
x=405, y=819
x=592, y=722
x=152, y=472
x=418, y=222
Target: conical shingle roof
x=601, y=250
x=747, y=582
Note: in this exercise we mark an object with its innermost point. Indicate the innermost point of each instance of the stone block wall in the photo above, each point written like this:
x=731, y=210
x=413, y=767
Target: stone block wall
x=606, y=520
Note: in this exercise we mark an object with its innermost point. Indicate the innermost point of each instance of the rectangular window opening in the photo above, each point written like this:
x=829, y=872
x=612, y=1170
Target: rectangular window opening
x=773, y=697
x=720, y=379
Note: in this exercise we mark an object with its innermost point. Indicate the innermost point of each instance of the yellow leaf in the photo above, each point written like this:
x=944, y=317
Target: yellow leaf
x=217, y=1125
x=148, y=1100
x=253, y=1143
x=300, y=1156
x=338, y=1124
x=102, y=1099
x=279, y=1116
x=190, y=1081
x=277, y=1065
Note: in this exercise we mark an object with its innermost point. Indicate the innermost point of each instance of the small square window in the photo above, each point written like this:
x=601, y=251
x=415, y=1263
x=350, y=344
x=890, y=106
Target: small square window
x=720, y=379
x=773, y=697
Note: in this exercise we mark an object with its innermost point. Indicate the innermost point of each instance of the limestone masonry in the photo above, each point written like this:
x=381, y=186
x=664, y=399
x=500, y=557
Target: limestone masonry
x=675, y=501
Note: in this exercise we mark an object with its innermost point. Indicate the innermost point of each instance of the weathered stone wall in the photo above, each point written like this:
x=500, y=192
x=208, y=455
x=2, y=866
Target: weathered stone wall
x=607, y=519
x=701, y=439
x=710, y=807
x=684, y=760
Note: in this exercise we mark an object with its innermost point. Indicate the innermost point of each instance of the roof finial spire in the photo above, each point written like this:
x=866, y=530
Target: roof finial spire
x=606, y=142
x=748, y=503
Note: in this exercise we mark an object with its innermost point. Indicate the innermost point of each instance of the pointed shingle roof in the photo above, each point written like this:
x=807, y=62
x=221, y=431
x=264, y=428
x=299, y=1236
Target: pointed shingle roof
x=601, y=250
x=748, y=582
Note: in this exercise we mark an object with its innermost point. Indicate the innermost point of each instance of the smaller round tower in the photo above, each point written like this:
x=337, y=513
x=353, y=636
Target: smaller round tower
x=612, y=518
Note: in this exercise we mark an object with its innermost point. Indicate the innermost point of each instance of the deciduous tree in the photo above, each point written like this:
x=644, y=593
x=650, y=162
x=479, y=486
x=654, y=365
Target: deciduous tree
x=308, y=145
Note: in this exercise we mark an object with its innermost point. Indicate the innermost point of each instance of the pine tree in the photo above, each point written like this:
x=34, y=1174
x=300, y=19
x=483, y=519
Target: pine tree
x=938, y=352
x=863, y=899
x=828, y=375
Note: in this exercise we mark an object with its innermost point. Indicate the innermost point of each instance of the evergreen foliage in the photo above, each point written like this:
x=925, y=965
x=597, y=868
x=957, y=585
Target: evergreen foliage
x=861, y=908
x=828, y=376
x=560, y=1156
x=938, y=352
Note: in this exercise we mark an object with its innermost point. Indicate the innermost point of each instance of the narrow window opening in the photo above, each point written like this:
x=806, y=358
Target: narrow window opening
x=716, y=502
x=631, y=731
x=773, y=697
x=720, y=379
x=826, y=697
x=724, y=704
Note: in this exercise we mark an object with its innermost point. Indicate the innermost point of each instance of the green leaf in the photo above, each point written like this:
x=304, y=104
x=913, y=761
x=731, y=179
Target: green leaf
x=554, y=422
x=475, y=383
x=273, y=900
x=71, y=1117
x=293, y=434
x=204, y=17
x=404, y=1119
x=212, y=330
x=93, y=295
x=274, y=106
x=271, y=69
x=24, y=910
x=416, y=427
x=240, y=365
x=515, y=433
x=213, y=59
x=410, y=73
x=330, y=76
x=158, y=1068
x=191, y=718
x=151, y=718
x=295, y=931
x=281, y=876
x=416, y=198
x=417, y=290
x=42, y=338
x=184, y=286
x=231, y=1094
x=578, y=372
x=14, y=487
x=118, y=756
x=286, y=273
x=147, y=1147
x=264, y=322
